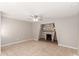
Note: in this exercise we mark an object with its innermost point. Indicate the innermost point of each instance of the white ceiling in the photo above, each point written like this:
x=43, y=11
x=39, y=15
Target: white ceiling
x=23, y=10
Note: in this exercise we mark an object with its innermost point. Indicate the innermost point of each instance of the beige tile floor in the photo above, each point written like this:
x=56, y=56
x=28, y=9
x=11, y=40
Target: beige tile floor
x=37, y=48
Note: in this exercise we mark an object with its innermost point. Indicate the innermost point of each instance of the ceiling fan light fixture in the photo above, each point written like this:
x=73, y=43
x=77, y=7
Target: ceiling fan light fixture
x=35, y=18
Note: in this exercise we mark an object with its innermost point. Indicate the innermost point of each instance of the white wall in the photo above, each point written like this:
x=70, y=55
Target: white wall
x=78, y=35
x=36, y=30
x=0, y=33
x=66, y=30
x=15, y=30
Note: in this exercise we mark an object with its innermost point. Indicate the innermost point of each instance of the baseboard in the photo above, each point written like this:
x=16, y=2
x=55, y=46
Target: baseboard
x=12, y=43
x=36, y=39
x=67, y=46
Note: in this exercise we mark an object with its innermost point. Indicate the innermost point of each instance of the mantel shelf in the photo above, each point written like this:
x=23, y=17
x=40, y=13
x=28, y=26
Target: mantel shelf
x=48, y=31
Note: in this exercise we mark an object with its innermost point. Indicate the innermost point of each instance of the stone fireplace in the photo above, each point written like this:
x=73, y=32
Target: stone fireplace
x=48, y=32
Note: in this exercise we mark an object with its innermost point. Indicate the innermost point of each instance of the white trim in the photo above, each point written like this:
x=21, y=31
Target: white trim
x=12, y=43
x=35, y=39
x=67, y=46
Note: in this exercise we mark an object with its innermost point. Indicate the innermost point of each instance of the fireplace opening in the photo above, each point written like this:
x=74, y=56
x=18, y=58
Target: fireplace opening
x=48, y=37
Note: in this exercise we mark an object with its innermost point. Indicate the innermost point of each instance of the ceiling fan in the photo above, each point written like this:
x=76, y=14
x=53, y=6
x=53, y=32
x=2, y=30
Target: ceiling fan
x=37, y=18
